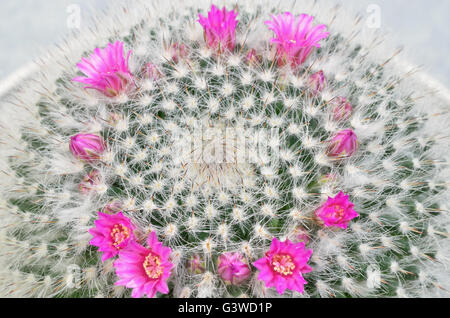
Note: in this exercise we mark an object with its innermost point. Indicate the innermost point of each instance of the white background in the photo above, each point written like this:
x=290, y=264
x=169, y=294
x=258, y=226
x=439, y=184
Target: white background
x=422, y=26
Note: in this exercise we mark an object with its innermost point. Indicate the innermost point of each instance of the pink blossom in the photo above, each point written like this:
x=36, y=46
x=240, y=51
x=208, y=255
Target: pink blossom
x=295, y=37
x=233, y=269
x=337, y=211
x=112, y=233
x=317, y=82
x=195, y=264
x=87, y=147
x=145, y=270
x=220, y=28
x=344, y=144
x=283, y=265
x=107, y=70
x=342, y=109
x=90, y=181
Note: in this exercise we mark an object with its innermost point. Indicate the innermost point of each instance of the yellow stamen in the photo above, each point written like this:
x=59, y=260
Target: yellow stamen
x=119, y=234
x=152, y=266
x=283, y=264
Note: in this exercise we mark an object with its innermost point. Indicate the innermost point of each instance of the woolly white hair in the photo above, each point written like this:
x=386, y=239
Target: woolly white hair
x=397, y=179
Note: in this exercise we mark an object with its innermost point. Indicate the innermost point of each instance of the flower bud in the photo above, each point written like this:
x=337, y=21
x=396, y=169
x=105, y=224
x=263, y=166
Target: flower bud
x=342, y=109
x=252, y=57
x=90, y=181
x=152, y=72
x=113, y=207
x=178, y=52
x=344, y=144
x=317, y=82
x=195, y=265
x=87, y=147
x=300, y=234
x=233, y=269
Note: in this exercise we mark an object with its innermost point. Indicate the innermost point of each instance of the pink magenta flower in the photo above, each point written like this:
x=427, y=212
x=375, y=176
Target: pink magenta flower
x=342, y=109
x=145, y=270
x=233, y=269
x=87, y=147
x=344, y=144
x=283, y=265
x=337, y=211
x=107, y=70
x=112, y=233
x=195, y=264
x=90, y=181
x=220, y=28
x=317, y=82
x=295, y=37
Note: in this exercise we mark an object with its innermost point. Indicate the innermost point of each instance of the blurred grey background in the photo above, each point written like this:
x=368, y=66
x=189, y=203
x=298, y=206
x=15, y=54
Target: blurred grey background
x=423, y=27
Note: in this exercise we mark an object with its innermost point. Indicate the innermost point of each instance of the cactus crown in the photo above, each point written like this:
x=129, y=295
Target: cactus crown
x=219, y=149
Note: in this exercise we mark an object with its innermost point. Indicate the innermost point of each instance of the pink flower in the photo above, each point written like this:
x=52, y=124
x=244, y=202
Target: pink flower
x=195, y=264
x=90, y=181
x=107, y=70
x=220, y=28
x=342, y=109
x=87, y=147
x=295, y=37
x=283, y=265
x=145, y=270
x=317, y=82
x=344, y=144
x=112, y=233
x=337, y=211
x=233, y=269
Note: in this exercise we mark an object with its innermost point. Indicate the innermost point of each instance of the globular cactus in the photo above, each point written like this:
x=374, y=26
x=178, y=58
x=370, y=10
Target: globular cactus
x=254, y=152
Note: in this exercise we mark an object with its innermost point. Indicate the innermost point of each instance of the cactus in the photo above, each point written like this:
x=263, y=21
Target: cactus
x=212, y=160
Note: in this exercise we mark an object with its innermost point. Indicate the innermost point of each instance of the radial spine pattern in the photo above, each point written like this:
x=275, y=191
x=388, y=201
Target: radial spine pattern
x=181, y=150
